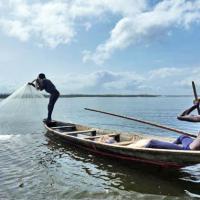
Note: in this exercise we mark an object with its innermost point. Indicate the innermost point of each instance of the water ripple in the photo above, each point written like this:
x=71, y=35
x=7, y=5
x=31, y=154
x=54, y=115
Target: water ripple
x=34, y=166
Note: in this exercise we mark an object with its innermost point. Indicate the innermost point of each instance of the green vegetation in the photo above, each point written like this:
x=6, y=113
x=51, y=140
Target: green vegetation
x=4, y=95
x=107, y=95
x=95, y=95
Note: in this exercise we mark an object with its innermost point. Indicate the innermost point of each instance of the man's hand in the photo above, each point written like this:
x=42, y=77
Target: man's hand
x=196, y=101
x=31, y=84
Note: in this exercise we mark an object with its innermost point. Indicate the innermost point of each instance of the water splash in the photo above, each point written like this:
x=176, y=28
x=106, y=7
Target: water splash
x=5, y=137
x=25, y=107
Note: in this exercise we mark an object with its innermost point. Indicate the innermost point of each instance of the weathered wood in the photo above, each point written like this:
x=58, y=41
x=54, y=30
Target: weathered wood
x=120, y=150
x=61, y=127
x=125, y=143
x=98, y=136
x=78, y=132
x=144, y=122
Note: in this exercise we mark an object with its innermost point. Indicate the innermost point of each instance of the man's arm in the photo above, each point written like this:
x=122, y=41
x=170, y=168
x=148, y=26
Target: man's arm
x=189, y=118
x=32, y=83
x=189, y=110
x=39, y=84
x=36, y=83
x=185, y=116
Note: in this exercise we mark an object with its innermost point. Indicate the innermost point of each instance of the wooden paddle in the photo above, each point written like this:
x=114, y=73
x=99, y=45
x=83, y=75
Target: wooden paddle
x=144, y=122
x=195, y=95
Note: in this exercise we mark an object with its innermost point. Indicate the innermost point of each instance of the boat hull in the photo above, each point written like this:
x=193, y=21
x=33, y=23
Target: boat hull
x=158, y=157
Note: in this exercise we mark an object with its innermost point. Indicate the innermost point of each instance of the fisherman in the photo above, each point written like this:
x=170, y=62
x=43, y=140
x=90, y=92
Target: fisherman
x=186, y=116
x=183, y=142
x=41, y=83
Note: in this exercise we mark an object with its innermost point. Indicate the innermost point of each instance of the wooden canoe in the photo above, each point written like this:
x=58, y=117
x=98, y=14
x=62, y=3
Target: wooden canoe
x=88, y=138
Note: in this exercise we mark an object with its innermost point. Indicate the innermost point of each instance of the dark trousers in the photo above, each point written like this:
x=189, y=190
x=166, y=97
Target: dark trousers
x=52, y=100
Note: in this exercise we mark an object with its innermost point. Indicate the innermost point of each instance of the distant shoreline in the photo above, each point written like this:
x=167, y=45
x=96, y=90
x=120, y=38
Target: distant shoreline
x=2, y=96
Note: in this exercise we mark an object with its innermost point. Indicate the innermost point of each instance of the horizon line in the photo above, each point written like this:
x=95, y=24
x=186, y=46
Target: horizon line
x=4, y=95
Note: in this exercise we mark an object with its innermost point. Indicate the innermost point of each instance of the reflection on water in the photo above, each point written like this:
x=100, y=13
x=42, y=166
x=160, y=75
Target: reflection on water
x=34, y=166
x=135, y=178
x=192, y=173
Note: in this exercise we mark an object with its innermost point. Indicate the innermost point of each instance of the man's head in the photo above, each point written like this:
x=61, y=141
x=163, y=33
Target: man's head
x=41, y=76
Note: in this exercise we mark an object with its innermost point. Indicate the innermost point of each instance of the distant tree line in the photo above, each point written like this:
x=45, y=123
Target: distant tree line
x=4, y=95
x=107, y=95
x=94, y=95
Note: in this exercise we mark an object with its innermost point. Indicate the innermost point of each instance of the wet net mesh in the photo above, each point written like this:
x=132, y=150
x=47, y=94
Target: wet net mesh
x=25, y=107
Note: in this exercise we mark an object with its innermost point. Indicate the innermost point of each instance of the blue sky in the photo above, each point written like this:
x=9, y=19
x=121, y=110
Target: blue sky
x=101, y=46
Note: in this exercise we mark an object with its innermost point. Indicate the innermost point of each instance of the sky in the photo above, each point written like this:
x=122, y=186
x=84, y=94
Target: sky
x=101, y=46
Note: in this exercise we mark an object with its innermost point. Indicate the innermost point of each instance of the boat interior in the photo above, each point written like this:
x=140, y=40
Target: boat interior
x=98, y=135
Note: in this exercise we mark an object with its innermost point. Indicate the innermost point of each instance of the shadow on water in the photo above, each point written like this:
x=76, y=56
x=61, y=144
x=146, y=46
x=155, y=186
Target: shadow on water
x=128, y=177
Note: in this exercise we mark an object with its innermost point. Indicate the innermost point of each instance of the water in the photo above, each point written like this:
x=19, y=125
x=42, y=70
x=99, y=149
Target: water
x=33, y=166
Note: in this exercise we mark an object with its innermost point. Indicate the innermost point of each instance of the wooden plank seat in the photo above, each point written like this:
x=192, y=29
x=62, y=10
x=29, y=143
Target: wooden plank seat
x=63, y=127
x=98, y=136
x=80, y=132
x=124, y=143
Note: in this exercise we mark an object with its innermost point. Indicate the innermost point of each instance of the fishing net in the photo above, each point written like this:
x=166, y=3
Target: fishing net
x=25, y=107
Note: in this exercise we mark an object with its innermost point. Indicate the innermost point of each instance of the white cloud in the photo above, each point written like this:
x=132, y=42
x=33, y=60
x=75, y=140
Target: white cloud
x=15, y=28
x=87, y=26
x=100, y=82
x=159, y=81
x=191, y=74
x=47, y=22
x=54, y=22
x=147, y=24
x=164, y=72
x=82, y=8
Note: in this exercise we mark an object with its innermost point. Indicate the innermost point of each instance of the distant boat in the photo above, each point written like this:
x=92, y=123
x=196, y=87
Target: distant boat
x=88, y=138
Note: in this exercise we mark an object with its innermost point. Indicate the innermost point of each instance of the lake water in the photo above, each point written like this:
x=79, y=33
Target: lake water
x=33, y=166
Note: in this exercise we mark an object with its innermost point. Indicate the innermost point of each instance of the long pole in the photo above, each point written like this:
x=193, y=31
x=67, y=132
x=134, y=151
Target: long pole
x=195, y=95
x=144, y=122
